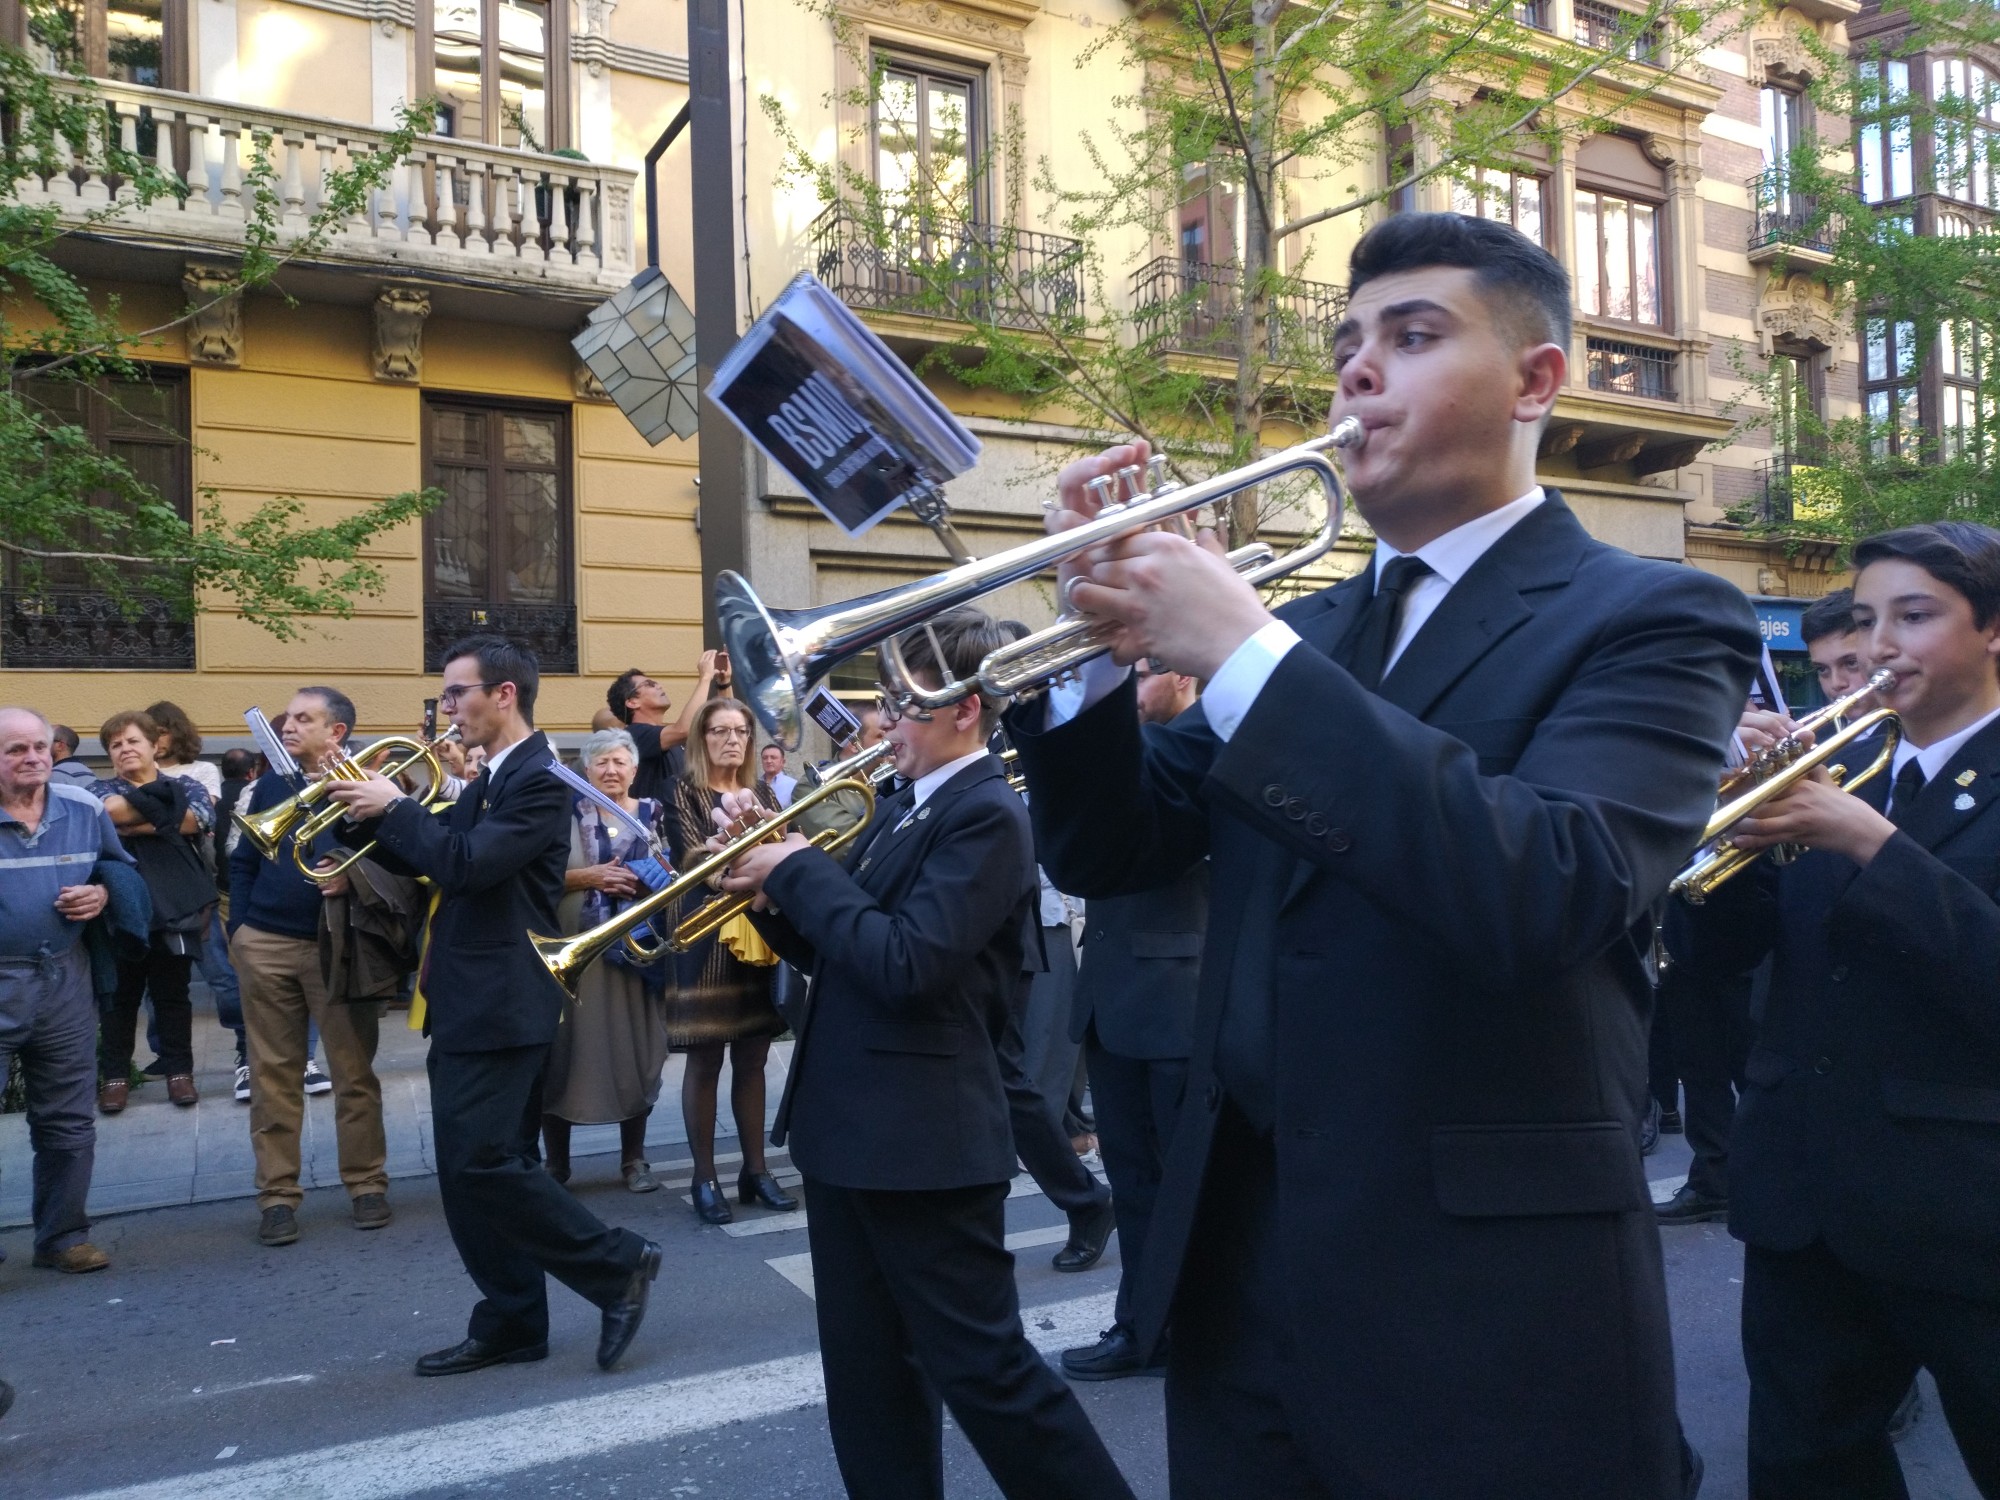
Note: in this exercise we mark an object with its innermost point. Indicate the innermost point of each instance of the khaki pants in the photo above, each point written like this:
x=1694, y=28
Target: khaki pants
x=282, y=990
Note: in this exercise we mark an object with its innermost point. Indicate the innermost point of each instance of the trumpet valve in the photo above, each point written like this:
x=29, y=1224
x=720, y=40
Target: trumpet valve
x=1158, y=478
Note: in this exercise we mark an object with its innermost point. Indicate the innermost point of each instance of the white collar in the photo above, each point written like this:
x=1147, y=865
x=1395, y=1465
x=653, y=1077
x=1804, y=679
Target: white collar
x=493, y=761
x=1934, y=758
x=930, y=781
x=1452, y=555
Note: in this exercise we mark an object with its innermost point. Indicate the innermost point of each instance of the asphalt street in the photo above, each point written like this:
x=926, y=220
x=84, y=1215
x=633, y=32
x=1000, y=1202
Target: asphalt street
x=204, y=1365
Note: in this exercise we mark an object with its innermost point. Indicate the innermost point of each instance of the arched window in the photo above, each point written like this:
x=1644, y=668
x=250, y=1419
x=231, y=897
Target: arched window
x=1965, y=133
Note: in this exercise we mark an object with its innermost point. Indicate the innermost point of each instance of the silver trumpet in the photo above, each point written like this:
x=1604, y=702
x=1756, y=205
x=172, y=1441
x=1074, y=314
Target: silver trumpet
x=778, y=655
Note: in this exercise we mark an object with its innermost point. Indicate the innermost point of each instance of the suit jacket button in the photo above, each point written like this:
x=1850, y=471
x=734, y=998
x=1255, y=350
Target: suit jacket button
x=1338, y=841
x=1316, y=825
x=1822, y=1065
x=1295, y=809
x=1213, y=1098
x=1838, y=973
x=1274, y=795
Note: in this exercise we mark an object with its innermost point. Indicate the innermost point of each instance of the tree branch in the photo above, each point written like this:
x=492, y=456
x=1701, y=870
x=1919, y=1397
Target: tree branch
x=1235, y=119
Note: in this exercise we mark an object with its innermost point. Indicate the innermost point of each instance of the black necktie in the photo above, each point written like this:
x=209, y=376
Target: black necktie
x=1909, y=786
x=1366, y=651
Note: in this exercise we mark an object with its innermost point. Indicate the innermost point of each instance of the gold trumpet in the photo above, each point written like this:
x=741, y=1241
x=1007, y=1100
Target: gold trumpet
x=407, y=754
x=566, y=958
x=1773, y=771
x=300, y=814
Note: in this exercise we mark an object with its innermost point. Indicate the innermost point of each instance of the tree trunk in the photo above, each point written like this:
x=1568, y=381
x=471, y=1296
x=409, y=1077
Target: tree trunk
x=1253, y=316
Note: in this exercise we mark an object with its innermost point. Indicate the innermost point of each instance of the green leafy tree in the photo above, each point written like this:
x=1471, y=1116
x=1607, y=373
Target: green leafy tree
x=69, y=509
x=1843, y=202
x=1287, y=111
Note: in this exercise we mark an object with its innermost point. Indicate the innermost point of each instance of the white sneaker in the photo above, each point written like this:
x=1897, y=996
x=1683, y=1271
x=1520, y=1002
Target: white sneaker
x=243, y=1083
x=316, y=1081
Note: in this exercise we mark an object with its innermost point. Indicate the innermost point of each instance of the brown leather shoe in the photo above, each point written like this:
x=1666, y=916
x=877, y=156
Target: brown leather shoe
x=111, y=1098
x=180, y=1089
x=76, y=1260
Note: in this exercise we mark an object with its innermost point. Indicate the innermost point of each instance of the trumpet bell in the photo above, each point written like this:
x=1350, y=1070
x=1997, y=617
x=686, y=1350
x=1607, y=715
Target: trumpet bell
x=776, y=655
x=267, y=829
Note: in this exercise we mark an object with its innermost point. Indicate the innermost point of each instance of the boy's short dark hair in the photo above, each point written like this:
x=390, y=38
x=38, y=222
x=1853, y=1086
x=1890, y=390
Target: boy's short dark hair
x=339, y=709
x=1831, y=614
x=1524, y=285
x=500, y=660
x=615, y=695
x=965, y=635
x=1962, y=555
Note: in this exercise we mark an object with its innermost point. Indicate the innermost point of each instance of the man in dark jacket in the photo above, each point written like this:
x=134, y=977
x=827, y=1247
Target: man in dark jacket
x=1134, y=1014
x=896, y=1117
x=496, y=858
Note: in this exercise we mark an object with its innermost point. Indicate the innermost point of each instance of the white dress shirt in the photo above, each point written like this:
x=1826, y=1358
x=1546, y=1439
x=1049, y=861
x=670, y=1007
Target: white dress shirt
x=1226, y=700
x=494, y=757
x=1935, y=757
x=930, y=781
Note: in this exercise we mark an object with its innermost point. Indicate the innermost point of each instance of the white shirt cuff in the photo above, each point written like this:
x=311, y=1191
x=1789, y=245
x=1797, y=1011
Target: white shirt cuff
x=1095, y=681
x=1237, y=682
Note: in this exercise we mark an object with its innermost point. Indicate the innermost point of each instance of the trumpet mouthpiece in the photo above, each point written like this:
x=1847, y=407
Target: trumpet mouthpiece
x=1882, y=681
x=1348, y=433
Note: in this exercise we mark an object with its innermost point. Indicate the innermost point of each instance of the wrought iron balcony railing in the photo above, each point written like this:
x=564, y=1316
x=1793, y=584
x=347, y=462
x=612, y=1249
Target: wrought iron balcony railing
x=494, y=212
x=1191, y=307
x=1631, y=369
x=547, y=629
x=1780, y=215
x=77, y=628
x=929, y=263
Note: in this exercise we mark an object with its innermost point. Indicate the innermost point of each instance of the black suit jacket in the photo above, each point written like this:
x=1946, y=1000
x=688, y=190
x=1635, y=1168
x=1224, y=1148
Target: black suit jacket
x=496, y=856
x=1461, y=1010
x=1870, y=1115
x=1140, y=966
x=914, y=947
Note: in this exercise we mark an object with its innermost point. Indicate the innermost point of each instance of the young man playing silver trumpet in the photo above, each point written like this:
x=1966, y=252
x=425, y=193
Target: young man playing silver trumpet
x=1404, y=1235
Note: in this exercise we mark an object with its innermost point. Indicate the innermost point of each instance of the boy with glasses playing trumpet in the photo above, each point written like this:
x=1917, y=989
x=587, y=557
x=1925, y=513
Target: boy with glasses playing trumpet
x=1865, y=1160
x=895, y=1113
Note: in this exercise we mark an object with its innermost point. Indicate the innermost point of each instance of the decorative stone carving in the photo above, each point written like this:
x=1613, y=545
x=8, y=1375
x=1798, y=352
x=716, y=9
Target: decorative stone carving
x=1664, y=456
x=1616, y=449
x=215, y=331
x=1561, y=437
x=586, y=384
x=399, y=333
x=1786, y=53
x=1801, y=310
x=593, y=47
x=984, y=29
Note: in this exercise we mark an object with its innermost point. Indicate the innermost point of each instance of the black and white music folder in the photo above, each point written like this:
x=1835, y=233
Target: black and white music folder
x=830, y=404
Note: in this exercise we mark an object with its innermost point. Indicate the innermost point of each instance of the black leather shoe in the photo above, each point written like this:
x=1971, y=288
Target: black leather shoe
x=709, y=1204
x=623, y=1317
x=1670, y=1122
x=1114, y=1356
x=1689, y=1207
x=1649, y=1129
x=477, y=1354
x=1089, y=1232
x=762, y=1187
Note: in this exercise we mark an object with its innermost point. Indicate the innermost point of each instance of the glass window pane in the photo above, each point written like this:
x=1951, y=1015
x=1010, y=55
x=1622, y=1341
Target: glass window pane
x=1876, y=340
x=1646, y=265
x=1899, y=158
x=533, y=538
x=1906, y=348
x=1588, y=249
x=1465, y=199
x=528, y=439
x=1528, y=214
x=1897, y=79
x=459, y=536
x=948, y=118
x=457, y=26
x=135, y=34
x=1947, y=349
x=458, y=435
x=524, y=89
x=1871, y=164
x=1617, y=258
x=1906, y=418
x=896, y=134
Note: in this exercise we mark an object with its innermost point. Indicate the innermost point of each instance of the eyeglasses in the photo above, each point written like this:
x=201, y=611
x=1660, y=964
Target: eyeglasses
x=728, y=731
x=899, y=707
x=448, y=699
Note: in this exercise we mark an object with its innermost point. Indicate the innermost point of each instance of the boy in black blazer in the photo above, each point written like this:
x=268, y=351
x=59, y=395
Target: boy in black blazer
x=496, y=859
x=895, y=1113
x=1866, y=1155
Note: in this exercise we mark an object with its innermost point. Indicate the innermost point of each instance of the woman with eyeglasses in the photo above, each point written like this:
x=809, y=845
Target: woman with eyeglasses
x=723, y=998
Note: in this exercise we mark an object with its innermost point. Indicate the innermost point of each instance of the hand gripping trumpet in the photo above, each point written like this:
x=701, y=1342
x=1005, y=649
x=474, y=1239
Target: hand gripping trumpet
x=779, y=654
x=1773, y=771
x=567, y=957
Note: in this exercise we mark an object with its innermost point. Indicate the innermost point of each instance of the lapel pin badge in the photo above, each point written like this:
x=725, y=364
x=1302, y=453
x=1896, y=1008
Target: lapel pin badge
x=923, y=812
x=1966, y=778
x=1964, y=802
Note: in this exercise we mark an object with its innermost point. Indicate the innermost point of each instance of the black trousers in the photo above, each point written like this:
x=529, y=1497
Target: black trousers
x=1137, y=1100
x=1708, y=1030
x=1831, y=1352
x=917, y=1309
x=165, y=973
x=510, y=1220
x=1037, y=1119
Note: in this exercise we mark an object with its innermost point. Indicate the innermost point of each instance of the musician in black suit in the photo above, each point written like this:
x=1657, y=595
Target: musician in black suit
x=1134, y=1014
x=1404, y=1208
x=1865, y=1166
x=895, y=1114
x=496, y=858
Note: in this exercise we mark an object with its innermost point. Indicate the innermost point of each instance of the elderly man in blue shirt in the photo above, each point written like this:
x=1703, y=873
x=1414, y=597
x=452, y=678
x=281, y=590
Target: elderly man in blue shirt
x=51, y=836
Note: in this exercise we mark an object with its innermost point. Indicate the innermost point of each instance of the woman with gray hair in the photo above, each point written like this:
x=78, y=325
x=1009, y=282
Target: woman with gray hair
x=608, y=1055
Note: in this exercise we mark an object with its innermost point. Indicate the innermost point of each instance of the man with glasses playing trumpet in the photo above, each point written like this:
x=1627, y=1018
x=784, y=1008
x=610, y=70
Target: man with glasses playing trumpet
x=496, y=857
x=894, y=1109
x=1404, y=1233
x=274, y=922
